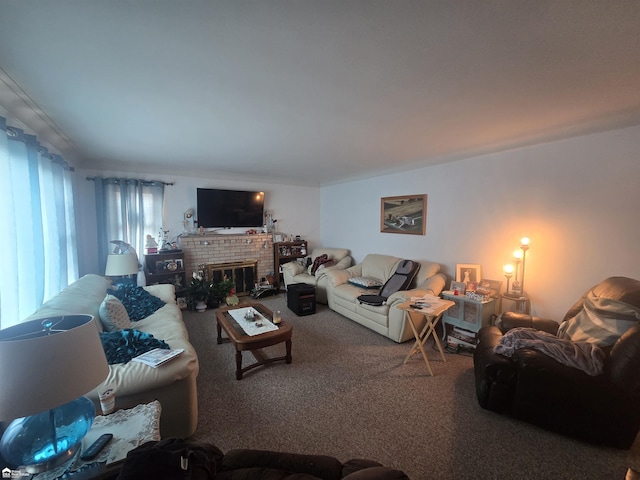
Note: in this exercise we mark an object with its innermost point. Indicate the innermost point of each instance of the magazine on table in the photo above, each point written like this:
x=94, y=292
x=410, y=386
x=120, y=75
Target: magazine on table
x=158, y=356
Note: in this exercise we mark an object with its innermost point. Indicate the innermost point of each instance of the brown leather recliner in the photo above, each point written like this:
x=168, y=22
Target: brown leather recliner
x=532, y=386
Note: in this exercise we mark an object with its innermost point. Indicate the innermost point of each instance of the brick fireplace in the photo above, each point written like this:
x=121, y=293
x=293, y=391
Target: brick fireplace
x=229, y=253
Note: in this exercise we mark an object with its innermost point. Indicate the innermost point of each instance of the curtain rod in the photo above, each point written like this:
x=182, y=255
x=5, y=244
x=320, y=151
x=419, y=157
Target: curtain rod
x=93, y=179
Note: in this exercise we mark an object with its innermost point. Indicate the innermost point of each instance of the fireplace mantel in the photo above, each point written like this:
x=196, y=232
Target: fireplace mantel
x=215, y=248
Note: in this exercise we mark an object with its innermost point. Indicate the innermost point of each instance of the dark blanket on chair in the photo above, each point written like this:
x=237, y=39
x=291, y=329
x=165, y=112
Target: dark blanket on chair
x=123, y=345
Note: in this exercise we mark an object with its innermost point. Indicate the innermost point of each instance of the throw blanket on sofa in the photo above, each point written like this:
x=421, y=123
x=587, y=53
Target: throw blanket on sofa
x=582, y=355
x=123, y=345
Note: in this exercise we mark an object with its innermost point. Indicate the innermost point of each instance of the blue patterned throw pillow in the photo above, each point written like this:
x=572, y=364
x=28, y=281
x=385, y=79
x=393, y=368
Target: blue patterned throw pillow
x=123, y=345
x=137, y=301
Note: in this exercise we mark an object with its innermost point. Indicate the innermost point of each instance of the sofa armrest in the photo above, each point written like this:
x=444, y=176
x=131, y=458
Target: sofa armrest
x=433, y=285
x=338, y=277
x=341, y=265
x=509, y=320
x=293, y=268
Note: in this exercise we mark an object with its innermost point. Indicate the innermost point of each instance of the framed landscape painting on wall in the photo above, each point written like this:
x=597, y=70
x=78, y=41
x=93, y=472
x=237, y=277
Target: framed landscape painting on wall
x=404, y=214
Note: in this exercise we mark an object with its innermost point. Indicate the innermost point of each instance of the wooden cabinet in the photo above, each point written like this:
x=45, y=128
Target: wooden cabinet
x=467, y=313
x=166, y=267
x=284, y=252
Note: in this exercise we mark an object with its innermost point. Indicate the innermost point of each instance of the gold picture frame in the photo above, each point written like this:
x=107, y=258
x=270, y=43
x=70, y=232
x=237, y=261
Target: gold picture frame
x=404, y=214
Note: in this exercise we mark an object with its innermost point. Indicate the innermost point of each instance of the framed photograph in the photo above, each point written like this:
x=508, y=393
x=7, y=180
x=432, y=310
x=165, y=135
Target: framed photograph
x=459, y=286
x=467, y=273
x=404, y=214
x=182, y=302
x=492, y=287
x=277, y=237
x=179, y=263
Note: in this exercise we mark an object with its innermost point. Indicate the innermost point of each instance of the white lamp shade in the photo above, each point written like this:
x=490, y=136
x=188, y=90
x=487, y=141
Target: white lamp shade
x=40, y=371
x=119, y=265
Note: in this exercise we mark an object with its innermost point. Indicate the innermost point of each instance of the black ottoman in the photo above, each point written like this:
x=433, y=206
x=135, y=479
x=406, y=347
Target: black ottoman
x=301, y=298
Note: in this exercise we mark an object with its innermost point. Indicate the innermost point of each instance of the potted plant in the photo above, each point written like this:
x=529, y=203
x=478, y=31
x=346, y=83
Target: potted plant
x=223, y=291
x=199, y=291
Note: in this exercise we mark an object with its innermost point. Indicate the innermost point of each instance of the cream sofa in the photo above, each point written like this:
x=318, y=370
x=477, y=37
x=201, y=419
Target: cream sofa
x=295, y=272
x=386, y=319
x=173, y=384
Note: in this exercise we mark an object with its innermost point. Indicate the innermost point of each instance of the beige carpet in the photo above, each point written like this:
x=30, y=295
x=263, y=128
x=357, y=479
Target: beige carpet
x=347, y=394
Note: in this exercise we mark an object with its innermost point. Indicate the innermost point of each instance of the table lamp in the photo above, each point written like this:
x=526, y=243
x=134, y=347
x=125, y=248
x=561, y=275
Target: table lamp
x=46, y=367
x=120, y=265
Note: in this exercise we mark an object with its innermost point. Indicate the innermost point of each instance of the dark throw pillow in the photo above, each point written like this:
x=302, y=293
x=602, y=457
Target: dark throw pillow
x=123, y=345
x=137, y=301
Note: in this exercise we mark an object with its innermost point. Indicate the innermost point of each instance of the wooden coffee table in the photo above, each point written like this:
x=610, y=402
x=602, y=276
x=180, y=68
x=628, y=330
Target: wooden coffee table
x=241, y=341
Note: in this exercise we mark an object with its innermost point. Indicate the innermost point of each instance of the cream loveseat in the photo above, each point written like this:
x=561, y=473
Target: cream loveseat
x=386, y=320
x=173, y=384
x=295, y=272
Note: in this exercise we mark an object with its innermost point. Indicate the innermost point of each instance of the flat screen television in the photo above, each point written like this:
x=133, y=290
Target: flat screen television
x=229, y=208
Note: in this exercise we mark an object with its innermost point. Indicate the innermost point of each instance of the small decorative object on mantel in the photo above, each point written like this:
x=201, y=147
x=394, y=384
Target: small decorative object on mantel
x=151, y=246
x=163, y=239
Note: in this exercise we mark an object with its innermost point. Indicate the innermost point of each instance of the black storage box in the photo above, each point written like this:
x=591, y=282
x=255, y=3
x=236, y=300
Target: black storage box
x=301, y=298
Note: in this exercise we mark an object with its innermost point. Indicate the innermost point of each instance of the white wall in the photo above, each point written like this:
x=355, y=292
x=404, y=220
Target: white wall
x=576, y=199
x=297, y=209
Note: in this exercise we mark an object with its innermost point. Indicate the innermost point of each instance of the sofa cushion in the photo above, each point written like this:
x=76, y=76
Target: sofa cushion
x=379, y=266
x=138, y=302
x=113, y=315
x=164, y=291
x=365, y=282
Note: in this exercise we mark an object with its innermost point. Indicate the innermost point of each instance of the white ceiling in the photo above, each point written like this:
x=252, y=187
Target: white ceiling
x=315, y=91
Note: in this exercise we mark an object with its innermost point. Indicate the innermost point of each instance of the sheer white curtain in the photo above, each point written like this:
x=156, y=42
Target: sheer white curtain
x=38, y=224
x=127, y=209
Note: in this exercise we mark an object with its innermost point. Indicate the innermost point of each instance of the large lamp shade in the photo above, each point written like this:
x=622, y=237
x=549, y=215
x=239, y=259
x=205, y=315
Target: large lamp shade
x=45, y=366
x=122, y=264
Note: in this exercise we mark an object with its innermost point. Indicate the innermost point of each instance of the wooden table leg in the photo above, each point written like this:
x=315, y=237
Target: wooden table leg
x=238, y=365
x=288, y=357
x=219, y=328
x=437, y=340
x=418, y=344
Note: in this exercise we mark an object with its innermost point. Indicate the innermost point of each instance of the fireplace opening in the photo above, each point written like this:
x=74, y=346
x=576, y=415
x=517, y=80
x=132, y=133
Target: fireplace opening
x=244, y=274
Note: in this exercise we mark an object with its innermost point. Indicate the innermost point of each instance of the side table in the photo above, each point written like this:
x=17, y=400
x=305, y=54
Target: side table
x=431, y=313
x=467, y=313
x=130, y=428
x=521, y=303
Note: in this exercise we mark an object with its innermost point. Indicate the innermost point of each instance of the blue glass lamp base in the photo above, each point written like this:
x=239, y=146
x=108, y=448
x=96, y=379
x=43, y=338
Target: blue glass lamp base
x=49, y=439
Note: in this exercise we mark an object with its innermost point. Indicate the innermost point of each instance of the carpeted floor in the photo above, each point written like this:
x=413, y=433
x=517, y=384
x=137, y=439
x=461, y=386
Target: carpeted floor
x=347, y=394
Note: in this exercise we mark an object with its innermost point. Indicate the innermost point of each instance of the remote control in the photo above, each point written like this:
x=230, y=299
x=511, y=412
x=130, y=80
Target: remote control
x=95, y=448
